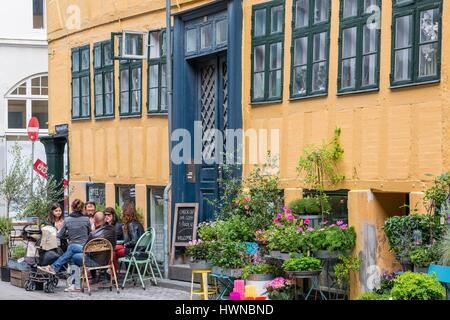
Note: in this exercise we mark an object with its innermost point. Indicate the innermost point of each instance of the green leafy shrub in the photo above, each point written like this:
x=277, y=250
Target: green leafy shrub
x=198, y=250
x=228, y=254
x=302, y=264
x=6, y=227
x=417, y=286
x=372, y=296
x=344, y=267
x=444, y=248
x=339, y=238
x=18, y=252
x=400, y=232
x=260, y=268
x=207, y=231
x=309, y=205
x=285, y=239
x=236, y=228
x=424, y=256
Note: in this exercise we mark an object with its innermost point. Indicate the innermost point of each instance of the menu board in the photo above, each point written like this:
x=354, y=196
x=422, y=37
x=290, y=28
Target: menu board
x=186, y=219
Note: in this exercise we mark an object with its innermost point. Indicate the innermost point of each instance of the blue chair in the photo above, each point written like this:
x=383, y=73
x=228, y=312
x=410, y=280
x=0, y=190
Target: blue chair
x=443, y=275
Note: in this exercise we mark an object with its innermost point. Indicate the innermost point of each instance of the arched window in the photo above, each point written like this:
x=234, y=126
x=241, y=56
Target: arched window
x=26, y=100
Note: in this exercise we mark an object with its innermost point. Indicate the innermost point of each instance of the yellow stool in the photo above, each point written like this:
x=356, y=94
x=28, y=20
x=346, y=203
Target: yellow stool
x=204, y=291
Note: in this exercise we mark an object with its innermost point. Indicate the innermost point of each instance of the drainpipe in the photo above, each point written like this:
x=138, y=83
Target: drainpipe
x=169, y=111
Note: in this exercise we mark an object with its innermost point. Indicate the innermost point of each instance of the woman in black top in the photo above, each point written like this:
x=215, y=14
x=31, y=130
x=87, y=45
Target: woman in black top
x=132, y=228
x=111, y=219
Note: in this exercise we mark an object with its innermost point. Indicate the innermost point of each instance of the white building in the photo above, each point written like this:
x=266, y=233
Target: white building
x=23, y=76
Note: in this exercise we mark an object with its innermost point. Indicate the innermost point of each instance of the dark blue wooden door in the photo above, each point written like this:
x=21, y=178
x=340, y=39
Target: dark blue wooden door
x=213, y=115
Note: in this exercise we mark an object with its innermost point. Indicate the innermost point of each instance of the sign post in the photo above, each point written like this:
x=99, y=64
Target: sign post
x=33, y=135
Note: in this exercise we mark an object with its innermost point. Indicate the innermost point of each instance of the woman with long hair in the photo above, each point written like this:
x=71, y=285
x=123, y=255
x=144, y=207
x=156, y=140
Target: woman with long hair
x=132, y=228
x=112, y=219
x=56, y=216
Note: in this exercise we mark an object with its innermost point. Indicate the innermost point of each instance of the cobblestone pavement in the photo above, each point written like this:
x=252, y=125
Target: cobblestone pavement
x=9, y=292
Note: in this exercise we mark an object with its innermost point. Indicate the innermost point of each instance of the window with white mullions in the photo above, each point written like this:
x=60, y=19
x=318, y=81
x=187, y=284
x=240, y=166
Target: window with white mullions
x=310, y=48
x=359, y=45
x=416, y=53
x=157, y=98
x=81, y=101
x=130, y=88
x=103, y=80
x=267, y=51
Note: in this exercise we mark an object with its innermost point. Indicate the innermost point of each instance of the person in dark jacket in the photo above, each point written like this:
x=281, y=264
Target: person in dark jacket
x=132, y=228
x=76, y=228
x=112, y=219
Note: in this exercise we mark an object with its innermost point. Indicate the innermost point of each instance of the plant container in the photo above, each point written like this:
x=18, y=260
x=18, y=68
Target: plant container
x=5, y=274
x=201, y=265
x=420, y=269
x=333, y=255
x=303, y=274
x=275, y=254
x=232, y=273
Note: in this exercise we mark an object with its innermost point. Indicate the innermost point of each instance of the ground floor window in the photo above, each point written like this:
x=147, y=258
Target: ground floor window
x=96, y=192
x=155, y=219
x=125, y=193
x=338, y=202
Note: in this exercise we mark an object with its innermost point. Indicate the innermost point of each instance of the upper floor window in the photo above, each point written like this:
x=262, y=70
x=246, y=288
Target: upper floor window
x=28, y=99
x=359, y=43
x=416, y=41
x=38, y=14
x=310, y=47
x=103, y=79
x=81, y=91
x=157, y=98
x=267, y=51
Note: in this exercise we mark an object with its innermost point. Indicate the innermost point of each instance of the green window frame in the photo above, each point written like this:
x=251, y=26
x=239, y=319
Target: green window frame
x=156, y=73
x=359, y=46
x=310, y=48
x=267, y=52
x=130, y=91
x=103, y=80
x=81, y=83
x=416, y=42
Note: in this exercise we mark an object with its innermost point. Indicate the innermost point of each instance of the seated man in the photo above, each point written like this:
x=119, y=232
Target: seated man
x=102, y=230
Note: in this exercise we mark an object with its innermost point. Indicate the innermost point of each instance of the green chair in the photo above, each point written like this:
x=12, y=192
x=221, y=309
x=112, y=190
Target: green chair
x=142, y=255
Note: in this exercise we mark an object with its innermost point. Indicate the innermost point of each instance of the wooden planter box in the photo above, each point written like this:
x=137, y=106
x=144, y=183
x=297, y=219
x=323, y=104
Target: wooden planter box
x=3, y=255
x=19, y=277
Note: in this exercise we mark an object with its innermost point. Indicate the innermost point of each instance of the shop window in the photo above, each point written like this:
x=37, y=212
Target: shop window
x=96, y=192
x=125, y=194
x=81, y=83
x=359, y=44
x=416, y=42
x=156, y=219
x=29, y=99
x=339, y=204
x=267, y=51
x=38, y=14
x=103, y=80
x=157, y=97
x=310, y=48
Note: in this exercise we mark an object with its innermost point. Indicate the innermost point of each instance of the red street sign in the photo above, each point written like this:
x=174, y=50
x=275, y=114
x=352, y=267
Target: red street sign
x=33, y=129
x=41, y=168
x=65, y=183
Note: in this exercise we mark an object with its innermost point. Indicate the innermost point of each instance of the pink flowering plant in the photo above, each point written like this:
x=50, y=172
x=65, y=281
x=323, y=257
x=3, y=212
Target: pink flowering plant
x=280, y=289
x=337, y=237
x=198, y=250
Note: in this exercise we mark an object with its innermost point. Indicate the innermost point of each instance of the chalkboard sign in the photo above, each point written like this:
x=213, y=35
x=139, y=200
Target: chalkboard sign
x=186, y=218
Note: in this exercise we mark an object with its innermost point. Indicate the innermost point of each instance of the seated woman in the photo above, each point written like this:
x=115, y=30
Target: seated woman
x=132, y=228
x=55, y=218
x=111, y=219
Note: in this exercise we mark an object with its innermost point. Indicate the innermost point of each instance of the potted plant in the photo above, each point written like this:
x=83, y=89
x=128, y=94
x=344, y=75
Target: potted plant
x=330, y=242
x=5, y=232
x=304, y=266
x=258, y=272
x=228, y=258
x=417, y=286
x=280, y=289
x=199, y=250
x=422, y=257
x=310, y=208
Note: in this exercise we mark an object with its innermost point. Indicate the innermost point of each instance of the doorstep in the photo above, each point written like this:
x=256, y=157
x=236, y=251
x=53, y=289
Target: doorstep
x=177, y=285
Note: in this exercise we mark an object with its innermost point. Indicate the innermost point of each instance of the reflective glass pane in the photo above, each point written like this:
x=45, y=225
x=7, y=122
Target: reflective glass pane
x=301, y=51
x=260, y=22
x=133, y=44
x=136, y=78
x=320, y=47
x=163, y=99
x=403, y=59
x=155, y=51
x=428, y=60
x=348, y=73
x=369, y=5
x=302, y=13
x=300, y=80
x=109, y=82
x=107, y=54
x=76, y=87
x=75, y=107
x=277, y=19
x=98, y=57
x=350, y=8
x=109, y=104
x=39, y=109
x=124, y=102
x=85, y=86
x=221, y=32
x=275, y=84
x=319, y=76
x=191, y=40
x=98, y=87
x=136, y=102
x=85, y=59
x=17, y=114
x=259, y=58
x=321, y=11
x=349, y=42
x=258, y=85
x=153, y=99
x=153, y=76
x=85, y=106
x=369, y=40
x=275, y=55
x=163, y=75
x=206, y=37
x=403, y=28
x=124, y=80
x=429, y=25
x=75, y=61
x=369, y=67
x=99, y=105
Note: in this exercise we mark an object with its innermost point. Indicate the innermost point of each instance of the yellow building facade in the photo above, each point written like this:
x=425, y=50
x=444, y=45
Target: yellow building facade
x=393, y=134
